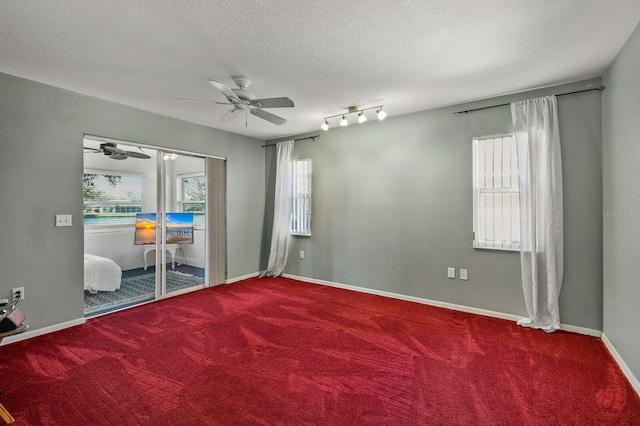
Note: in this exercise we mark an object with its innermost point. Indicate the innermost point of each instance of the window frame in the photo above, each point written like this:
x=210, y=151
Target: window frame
x=180, y=194
x=490, y=244
x=303, y=208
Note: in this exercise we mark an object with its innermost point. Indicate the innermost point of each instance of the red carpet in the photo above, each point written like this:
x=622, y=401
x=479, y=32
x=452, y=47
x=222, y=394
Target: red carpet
x=282, y=352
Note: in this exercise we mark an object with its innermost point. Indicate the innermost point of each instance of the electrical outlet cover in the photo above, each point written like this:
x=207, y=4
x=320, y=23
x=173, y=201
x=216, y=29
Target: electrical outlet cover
x=15, y=290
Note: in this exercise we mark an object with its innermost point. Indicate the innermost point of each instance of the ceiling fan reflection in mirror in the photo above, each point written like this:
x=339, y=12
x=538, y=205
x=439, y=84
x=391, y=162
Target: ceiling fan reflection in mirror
x=242, y=100
x=112, y=151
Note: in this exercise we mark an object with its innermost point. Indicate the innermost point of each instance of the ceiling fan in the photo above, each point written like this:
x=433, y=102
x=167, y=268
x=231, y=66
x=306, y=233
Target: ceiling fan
x=112, y=151
x=242, y=101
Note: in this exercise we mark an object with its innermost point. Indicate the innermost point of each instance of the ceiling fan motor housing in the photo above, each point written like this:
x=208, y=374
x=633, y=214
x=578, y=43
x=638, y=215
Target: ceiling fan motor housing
x=108, y=145
x=242, y=83
x=244, y=95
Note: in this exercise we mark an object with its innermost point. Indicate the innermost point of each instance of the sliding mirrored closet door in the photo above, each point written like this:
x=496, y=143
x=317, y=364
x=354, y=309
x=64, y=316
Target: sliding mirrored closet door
x=154, y=223
x=182, y=225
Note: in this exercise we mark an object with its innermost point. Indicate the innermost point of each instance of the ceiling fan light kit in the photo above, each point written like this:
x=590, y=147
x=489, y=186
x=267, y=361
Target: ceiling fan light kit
x=169, y=156
x=354, y=110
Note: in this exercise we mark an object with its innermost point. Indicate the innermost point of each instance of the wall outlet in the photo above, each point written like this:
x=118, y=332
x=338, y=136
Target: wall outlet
x=15, y=291
x=301, y=254
x=463, y=274
x=451, y=272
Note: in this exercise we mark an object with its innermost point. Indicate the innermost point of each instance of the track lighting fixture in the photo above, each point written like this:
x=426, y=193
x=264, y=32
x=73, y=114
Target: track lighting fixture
x=354, y=110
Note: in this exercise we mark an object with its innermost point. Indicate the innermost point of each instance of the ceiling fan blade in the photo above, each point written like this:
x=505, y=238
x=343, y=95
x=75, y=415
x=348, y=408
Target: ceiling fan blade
x=91, y=150
x=118, y=156
x=272, y=103
x=272, y=118
x=232, y=97
x=134, y=154
x=231, y=115
x=114, y=150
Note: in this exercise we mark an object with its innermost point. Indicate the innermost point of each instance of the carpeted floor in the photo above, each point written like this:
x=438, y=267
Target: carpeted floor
x=136, y=288
x=283, y=352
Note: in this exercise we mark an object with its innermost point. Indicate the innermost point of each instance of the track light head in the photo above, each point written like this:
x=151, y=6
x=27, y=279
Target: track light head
x=344, y=121
x=361, y=117
x=381, y=114
x=325, y=125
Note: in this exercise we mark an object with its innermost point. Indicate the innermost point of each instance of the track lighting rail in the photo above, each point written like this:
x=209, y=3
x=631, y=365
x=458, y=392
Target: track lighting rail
x=354, y=110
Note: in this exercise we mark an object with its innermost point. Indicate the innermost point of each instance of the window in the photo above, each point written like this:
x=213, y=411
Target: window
x=301, y=204
x=192, y=194
x=496, y=194
x=111, y=199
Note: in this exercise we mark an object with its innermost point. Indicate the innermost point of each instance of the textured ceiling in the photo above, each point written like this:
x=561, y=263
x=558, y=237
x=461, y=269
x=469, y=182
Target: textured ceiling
x=325, y=55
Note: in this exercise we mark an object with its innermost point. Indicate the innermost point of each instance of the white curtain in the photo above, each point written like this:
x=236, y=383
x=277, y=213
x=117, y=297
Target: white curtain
x=281, y=210
x=537, y=134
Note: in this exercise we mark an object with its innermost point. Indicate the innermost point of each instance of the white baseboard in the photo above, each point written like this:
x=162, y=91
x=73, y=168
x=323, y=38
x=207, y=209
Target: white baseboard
x=407, y=298
x=581, y=330
x=244, y=277
x=455, y=307
x=40, y=331
x=623, y=365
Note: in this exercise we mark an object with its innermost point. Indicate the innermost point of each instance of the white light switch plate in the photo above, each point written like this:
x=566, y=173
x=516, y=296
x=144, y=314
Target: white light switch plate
x=301, y=254
x=451, y=272
x=63, y=220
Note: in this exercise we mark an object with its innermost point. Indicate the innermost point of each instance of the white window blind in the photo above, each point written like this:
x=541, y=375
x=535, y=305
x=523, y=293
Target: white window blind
x=301, y=203
x=496, y=194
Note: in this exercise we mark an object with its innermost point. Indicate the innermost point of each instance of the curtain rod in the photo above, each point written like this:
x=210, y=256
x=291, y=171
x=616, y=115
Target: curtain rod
x=314, y=137
x=601, y=88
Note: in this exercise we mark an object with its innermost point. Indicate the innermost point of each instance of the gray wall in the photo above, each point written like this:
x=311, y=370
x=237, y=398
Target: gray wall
x=621, y=170
x=392, y=207
x=41, y=162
